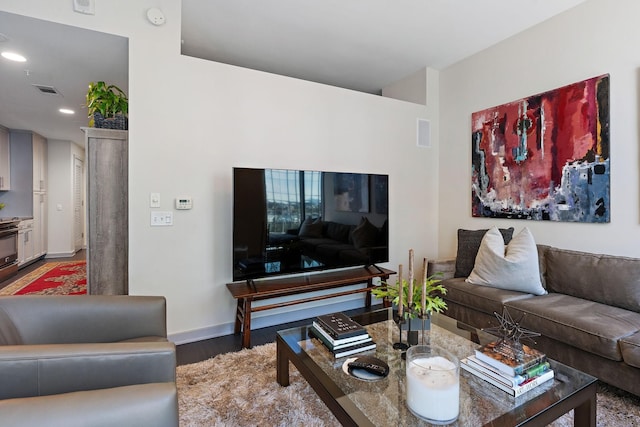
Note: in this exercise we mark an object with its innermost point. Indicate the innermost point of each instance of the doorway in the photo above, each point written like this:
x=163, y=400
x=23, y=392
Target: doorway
x=78, y=203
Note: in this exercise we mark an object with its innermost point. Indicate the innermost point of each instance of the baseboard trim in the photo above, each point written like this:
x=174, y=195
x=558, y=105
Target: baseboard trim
x=264, y=321
x=60, y=254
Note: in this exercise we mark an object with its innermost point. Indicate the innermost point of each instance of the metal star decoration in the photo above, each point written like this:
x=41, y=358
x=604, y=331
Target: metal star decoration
x=510, y=333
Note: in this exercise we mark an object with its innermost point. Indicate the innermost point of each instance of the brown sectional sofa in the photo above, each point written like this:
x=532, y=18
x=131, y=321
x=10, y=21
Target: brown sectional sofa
x=336, y=244
x=590, y=318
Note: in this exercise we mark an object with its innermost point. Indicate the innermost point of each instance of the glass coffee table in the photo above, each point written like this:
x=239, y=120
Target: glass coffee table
x=355, y=402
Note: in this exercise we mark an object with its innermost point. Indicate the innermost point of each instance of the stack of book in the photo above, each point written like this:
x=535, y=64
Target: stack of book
x=516, y=377
x=341, y=335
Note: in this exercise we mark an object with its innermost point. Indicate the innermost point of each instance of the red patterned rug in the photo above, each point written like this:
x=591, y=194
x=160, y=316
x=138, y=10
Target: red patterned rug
x=53, y=278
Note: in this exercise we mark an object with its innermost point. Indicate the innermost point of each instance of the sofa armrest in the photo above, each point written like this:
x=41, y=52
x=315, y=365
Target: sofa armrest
x=446, y=266
x=36, y=370
x=47, y=319
x=153, y=405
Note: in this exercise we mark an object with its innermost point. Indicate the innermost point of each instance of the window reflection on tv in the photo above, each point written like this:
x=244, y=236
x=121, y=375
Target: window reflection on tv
x=292, y=221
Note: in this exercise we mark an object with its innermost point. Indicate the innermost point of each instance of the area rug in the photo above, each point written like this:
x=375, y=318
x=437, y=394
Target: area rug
x=53, y=278
x=239, y=389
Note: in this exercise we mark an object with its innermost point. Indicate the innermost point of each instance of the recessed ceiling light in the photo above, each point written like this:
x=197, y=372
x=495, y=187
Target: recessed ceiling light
x=66, y=111
x=12, y=56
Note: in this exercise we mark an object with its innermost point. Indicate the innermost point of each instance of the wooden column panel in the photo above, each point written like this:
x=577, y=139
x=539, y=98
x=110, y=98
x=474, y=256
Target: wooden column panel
x=107, y=163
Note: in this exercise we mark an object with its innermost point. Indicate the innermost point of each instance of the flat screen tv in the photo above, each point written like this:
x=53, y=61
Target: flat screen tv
x=293, y=221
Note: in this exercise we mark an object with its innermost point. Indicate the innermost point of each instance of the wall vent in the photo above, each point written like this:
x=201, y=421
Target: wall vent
x=423, y=133
x=49, y=90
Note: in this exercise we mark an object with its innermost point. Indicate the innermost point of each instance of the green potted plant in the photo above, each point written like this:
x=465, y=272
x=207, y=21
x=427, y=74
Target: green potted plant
x=433, y=299
x=107, y=106
x=414, y=322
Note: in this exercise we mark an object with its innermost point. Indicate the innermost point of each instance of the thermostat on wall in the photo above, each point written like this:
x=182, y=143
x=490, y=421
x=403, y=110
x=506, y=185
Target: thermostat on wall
x=184, y=202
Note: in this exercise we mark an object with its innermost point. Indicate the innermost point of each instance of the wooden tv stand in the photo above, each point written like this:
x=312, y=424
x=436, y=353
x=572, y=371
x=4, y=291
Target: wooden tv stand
x=249, y=291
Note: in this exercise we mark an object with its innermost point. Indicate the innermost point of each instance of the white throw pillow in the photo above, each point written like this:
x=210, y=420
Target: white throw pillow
x=514, y=267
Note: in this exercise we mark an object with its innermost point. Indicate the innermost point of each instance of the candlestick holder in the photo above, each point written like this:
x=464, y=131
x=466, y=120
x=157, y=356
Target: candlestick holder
x=412, y=325
x=400, y=320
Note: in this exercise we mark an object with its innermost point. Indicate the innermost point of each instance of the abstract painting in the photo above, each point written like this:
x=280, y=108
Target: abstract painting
x=351, y=192
x=544, y=157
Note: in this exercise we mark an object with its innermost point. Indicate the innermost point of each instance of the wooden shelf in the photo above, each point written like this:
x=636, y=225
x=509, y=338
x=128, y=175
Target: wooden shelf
x=249, y=291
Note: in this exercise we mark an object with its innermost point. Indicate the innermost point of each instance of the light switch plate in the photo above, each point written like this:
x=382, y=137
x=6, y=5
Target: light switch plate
x=154, y=200
x=88, y=7
x=161, y=219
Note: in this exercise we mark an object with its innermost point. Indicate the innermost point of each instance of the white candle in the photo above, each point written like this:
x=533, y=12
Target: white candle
x=433, y=389
x=410, y=291
x=424, y=287
x=400, y=291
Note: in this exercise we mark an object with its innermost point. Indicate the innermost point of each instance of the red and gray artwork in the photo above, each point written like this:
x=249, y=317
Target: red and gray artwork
x=544, y=157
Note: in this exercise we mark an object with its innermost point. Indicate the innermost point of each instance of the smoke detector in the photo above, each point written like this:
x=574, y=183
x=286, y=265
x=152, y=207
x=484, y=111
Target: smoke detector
x=155, y=16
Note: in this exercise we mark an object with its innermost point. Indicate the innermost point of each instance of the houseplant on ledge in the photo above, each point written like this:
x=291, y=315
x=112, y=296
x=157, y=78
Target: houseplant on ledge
x=107, y=106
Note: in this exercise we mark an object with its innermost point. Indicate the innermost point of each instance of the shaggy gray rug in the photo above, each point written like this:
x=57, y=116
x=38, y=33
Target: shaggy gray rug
x=240, y=389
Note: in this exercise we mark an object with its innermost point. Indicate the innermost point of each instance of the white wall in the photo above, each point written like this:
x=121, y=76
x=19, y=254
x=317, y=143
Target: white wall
x=61, y=240
x=191, y=121
x=595, y=38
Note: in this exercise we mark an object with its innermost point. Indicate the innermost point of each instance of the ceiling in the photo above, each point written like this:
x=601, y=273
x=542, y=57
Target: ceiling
x=59, y=56
x=362, y=45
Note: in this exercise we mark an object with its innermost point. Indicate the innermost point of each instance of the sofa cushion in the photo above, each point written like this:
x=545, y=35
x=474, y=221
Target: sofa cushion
x=630, y=347
x=514, y=267
x=337, y=231
x=581, y=323
x=482, y=298
x=365, y=234
x=610, y=280
x=331, y=251
x=311, y=228
x=9, y=335
x=468, y=245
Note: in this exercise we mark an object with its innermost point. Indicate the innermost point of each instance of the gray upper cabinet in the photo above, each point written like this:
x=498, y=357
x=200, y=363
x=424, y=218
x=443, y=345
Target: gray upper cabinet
x=5, y=160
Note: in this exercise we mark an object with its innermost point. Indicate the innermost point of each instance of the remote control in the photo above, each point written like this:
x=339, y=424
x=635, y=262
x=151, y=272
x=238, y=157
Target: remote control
x=372, y=365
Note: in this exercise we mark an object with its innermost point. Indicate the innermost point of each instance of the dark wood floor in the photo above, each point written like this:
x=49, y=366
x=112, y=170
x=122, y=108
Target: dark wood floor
x=206, y=349
x=80, y=255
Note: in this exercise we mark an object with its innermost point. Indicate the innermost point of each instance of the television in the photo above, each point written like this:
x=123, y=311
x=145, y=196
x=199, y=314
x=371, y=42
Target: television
x=294, y=221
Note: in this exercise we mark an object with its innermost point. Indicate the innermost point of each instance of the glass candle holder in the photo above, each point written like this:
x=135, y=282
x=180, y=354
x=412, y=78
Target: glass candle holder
x=433, y=384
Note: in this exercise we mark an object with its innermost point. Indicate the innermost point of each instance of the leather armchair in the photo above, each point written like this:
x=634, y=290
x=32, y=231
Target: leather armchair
x=87, y=361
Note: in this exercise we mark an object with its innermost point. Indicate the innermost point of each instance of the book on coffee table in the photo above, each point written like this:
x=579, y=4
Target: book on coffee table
x=514, y=381
x=353, y=337
x=340, y=326
x=344, y=349
x=492, y=355
x=504, y=383
x=331, y=344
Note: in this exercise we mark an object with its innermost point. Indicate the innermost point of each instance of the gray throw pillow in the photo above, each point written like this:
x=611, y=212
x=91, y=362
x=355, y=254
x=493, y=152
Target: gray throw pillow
x=311, y=228
x=468, y=245
x=365, y=234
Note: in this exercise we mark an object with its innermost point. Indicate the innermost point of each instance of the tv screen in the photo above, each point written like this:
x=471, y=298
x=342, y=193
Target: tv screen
x=292, y=221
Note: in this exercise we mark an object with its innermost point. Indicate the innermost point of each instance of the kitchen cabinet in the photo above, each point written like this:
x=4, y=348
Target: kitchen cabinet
x=25, y=242
x=39, y=224
x=39, y=159
x=28, y=195
x=5, y=160
x=39, y=163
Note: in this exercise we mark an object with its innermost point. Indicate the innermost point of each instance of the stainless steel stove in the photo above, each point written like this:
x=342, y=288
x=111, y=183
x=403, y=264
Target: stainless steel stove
x=8, y=247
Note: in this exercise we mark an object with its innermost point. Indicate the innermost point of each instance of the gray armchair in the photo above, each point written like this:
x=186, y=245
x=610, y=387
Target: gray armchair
x=86, y=361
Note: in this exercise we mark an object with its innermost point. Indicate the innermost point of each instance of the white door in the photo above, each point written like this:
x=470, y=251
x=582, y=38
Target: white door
x=78, y=211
